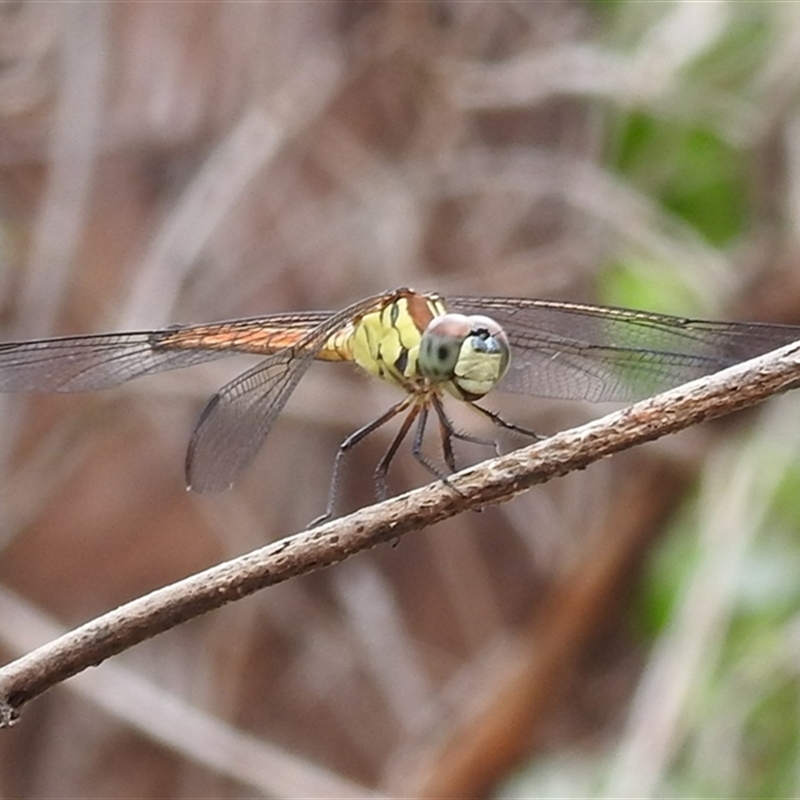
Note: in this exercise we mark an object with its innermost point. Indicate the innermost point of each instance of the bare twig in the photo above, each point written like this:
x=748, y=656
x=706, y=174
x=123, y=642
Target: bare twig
x=260, y=767
x=493, y=481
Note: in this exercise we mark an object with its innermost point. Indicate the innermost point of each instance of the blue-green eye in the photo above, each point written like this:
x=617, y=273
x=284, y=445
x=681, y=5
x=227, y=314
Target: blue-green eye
x=468, y=355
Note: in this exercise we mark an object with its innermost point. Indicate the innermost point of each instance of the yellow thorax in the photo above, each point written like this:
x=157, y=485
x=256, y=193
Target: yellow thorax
x=385, y=342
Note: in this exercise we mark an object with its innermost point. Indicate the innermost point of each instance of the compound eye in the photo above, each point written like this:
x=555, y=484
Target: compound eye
x=488, y=336
x=440, y=346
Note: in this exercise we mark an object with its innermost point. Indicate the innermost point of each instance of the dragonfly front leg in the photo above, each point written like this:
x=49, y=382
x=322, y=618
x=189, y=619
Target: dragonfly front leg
x=509, y=426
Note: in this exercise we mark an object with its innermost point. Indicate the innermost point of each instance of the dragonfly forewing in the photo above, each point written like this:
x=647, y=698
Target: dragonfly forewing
x=100, y=361
x=87, y=363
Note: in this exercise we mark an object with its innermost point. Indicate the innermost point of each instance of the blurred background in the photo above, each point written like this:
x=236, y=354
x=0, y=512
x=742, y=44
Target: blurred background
x=632, y=630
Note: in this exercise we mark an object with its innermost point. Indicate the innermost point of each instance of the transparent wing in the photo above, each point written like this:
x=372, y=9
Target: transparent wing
x=602, y=353
x=99, y=361
x=236, y=421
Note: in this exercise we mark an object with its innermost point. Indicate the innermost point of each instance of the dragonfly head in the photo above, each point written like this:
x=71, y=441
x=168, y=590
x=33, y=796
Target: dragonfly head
x=467, y=355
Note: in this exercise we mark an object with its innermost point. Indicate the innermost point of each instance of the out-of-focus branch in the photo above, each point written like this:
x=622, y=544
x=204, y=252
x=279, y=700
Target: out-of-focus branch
x=492, y=481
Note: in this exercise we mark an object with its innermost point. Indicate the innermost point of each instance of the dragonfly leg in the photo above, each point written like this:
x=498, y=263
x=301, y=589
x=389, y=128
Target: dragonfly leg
x=346, y=446
x=382, y=469
x=446, y=434
x=509, y=426
x=416, y=449
x=448, y=431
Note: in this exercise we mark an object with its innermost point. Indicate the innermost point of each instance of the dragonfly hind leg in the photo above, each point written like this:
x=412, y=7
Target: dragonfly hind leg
x=381, y=471
x=349, y=443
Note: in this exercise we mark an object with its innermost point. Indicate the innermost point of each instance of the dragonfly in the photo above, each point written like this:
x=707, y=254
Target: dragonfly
x=425, y=344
